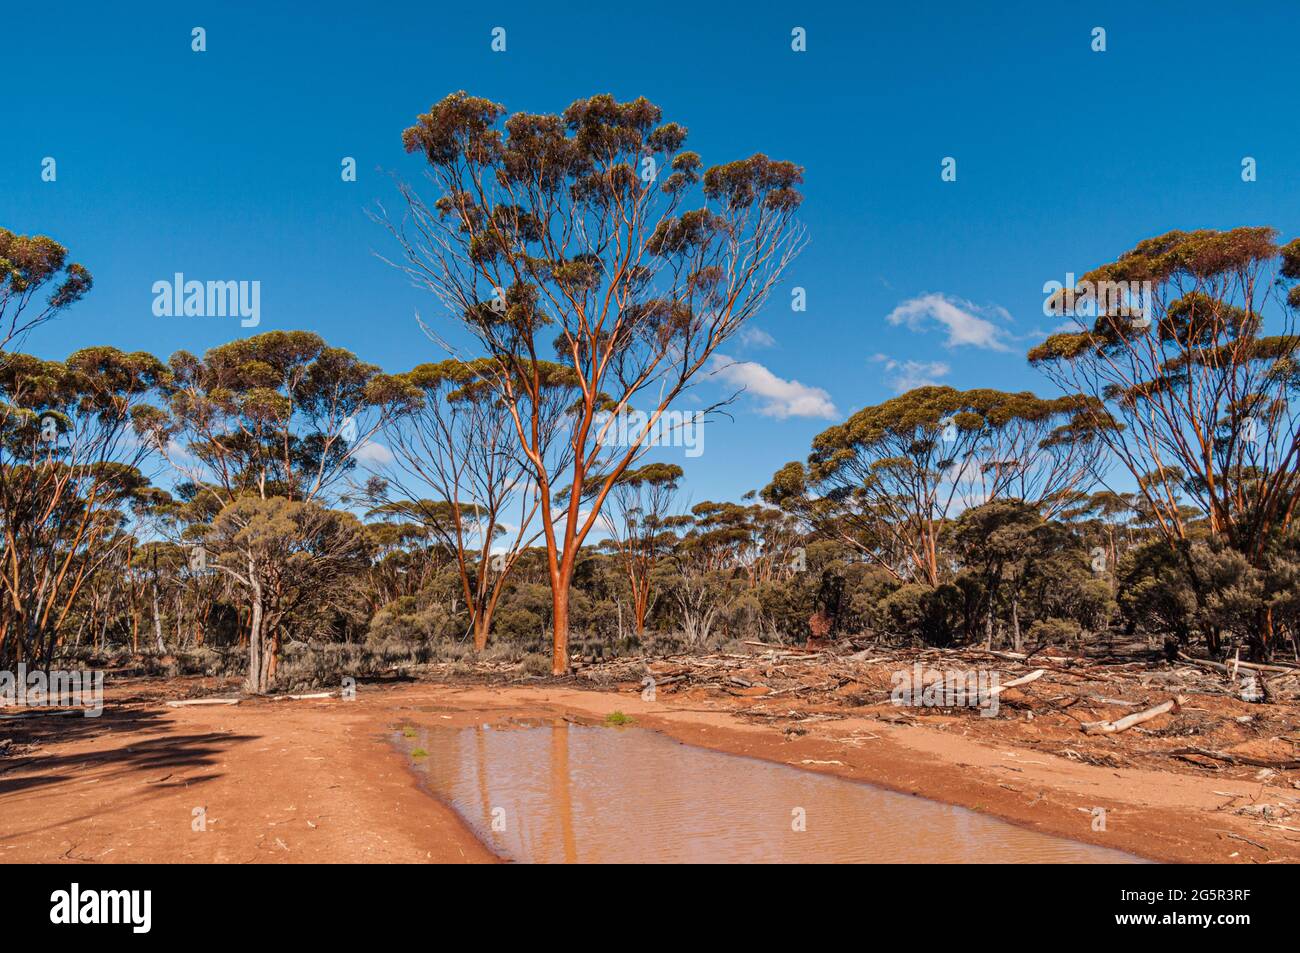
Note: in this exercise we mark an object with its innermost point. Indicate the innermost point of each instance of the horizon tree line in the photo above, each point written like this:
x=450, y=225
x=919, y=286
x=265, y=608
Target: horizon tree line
x=597, y=265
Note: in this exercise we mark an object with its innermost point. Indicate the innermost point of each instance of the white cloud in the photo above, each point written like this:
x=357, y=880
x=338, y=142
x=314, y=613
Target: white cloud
x=374, y=453
x=780, y=398
x=177, y=452
x=965, y=323
x=903, y=376
x=756, y=337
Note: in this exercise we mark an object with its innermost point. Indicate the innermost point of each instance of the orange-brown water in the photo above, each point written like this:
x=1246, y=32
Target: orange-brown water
x=559, y=792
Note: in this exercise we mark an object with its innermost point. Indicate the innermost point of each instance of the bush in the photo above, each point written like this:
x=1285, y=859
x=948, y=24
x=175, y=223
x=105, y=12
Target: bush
x=535, y=664
x=929, y=614
x=1054, y=631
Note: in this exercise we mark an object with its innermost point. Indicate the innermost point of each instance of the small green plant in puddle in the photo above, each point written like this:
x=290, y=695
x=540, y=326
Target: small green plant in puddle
x=419, y=753
x=408, y=732
x=616, y=718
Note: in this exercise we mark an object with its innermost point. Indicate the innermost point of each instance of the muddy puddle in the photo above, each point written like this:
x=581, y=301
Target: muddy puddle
x=555, y=792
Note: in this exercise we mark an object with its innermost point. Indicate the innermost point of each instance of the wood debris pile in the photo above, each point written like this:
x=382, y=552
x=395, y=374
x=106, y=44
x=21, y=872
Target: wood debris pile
x=1113, y=710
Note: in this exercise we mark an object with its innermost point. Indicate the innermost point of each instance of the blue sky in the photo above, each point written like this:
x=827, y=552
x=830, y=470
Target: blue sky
x=225, y=165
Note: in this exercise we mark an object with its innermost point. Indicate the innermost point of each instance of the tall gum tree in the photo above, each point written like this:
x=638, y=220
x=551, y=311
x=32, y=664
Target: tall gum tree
x=889, y=478
x=278, y=414
x=455, y=437
x=1202, y=378
x=280, y=418
x=634, y=521
x=592, y=235
x=36, y=282
x=71, y=455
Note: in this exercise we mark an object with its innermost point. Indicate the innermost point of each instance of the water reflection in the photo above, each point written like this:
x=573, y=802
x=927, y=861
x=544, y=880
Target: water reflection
x=562, y=793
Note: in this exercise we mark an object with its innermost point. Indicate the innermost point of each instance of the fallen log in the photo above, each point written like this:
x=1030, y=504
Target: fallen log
x=1017, y=682
x=1285, y=764
x=65, y=713
x=1238, y=837
x=784, y=649
x=1228, y=669
x=1128, y=721
x=204, y=701
x=1103, y=700
x=659, y=682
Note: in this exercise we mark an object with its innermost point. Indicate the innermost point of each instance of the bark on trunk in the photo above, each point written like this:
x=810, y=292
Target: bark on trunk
x=258, y=667
x=1015, y=622
x=641, y=609
x=157, y=624
x=560, y=629
x=561, y=577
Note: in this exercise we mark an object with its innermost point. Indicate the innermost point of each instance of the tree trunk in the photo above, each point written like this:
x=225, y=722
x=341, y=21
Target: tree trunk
x=560, y=627
x=254, y=649
x=157, y=623
x=273, y=661
x=258, y=680
x=1015, y=620
x=483, y=616
x=641, y=607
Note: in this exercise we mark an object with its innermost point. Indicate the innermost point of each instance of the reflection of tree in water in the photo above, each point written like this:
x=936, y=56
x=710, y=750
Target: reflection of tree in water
x=561, y=795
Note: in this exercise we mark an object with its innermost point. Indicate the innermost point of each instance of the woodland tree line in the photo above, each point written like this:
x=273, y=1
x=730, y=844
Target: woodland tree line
x=278, y=498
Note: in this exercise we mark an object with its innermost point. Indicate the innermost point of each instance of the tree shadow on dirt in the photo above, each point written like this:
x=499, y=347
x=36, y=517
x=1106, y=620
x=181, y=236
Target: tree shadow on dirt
x=166, y=757
x=131, y=734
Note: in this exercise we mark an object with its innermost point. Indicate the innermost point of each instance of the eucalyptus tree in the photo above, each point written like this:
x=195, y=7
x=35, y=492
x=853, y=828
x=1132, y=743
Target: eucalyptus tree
x=278, y=418
x=634, y=521
x=703, y=561
x=889, y=478
x=722, y=552
x=289, y=555
x=278, y=414
x=998, y=544
x=1200, y=374
x=455, y=438
x=593, y=234
x=70, y=467
x=36, y=282
x=406, y=553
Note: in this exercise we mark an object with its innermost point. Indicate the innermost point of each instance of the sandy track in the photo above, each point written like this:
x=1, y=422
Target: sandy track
x=279, y=782
x=318, y=781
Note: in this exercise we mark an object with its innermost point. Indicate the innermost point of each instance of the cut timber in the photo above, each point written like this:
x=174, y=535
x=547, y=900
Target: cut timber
x=277, y=698
x=204, y=701
x=1228, y=669
x=1017, y=682
x=1288, y=764
x=1128, y=721
x=784, y=649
